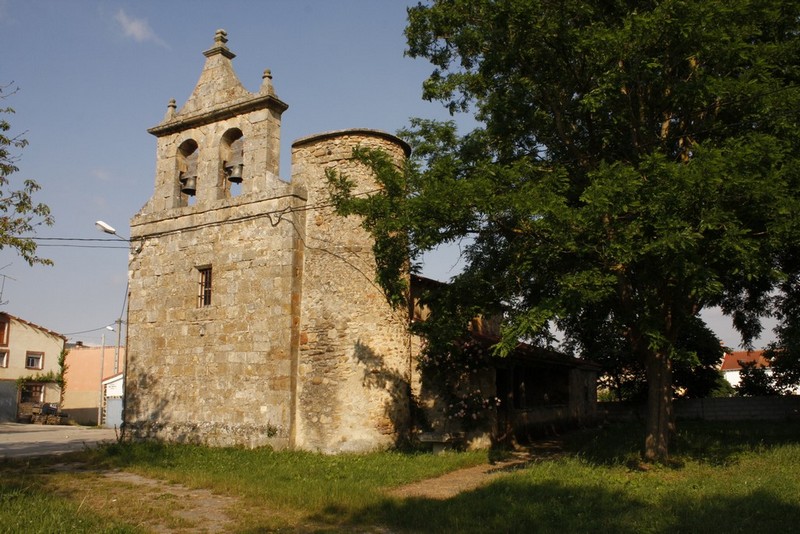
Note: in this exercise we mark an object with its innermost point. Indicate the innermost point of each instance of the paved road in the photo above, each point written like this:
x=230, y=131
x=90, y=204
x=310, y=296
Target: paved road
x=25, y=440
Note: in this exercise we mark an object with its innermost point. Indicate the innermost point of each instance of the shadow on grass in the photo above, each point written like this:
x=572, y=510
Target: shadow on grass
x=714, y=443
x=508, y=505
x=516, y=505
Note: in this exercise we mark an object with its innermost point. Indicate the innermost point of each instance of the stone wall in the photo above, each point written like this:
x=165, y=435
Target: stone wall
x=739, y=408
x=224, y=367
x=218, y=372
x=778, y=408
x=298, y=347
x=354, y=361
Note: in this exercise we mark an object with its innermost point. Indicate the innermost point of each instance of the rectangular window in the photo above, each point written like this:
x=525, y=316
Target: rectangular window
x=34, y=360
x=3, y=358
x=204, y=294
x=32, y=393
x=4, y=332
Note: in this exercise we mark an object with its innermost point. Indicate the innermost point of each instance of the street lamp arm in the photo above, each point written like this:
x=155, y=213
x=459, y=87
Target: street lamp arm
x=108, y=229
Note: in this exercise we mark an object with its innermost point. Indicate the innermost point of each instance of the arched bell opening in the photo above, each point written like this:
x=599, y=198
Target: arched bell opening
x=232, y=170
x=186, y=180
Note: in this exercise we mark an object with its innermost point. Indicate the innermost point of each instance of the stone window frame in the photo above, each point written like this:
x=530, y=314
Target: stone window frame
x=4, y=358
x=32, y=356
x=204, y=286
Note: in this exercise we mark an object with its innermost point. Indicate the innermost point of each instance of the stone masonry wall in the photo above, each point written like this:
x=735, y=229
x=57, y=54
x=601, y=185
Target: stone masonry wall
x=298, y=346
x=778, y=408
x=354, y=356
x=219, y=374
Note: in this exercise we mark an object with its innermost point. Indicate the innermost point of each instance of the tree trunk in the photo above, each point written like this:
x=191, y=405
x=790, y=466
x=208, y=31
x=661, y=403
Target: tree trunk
x=658, y=369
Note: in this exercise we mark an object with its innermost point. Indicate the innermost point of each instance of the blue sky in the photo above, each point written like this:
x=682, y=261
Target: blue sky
x=94, y=75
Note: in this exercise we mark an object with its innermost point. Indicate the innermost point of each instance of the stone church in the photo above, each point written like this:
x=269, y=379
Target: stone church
x=253, y=315
x=254, y=318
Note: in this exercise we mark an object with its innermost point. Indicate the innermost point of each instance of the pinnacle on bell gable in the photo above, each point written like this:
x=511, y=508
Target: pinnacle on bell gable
x=220, y=46
x=218, y=92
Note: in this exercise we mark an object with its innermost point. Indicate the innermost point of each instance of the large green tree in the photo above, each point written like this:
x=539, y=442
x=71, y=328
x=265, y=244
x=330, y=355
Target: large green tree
x=695, y=362
x=635, y=163
x=19, y=214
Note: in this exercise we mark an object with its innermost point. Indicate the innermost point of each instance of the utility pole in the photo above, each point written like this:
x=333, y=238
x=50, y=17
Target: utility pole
x=118, y=322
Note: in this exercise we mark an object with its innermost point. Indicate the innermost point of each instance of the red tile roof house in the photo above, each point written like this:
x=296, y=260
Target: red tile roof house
x=732, y=364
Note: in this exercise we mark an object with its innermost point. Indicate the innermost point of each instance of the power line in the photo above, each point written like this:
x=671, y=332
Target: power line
x=71, y=242
x=66, y=245
x=71, y=239
x=85, y=331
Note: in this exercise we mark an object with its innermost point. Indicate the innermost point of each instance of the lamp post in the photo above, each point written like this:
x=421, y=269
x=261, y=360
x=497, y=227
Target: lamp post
x=100, y=381
x=118, y=322
x=108, y=229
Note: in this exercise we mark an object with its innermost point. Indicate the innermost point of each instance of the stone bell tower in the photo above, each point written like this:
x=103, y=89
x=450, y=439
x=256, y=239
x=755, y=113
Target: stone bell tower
x=238, y=131
x=253, y=314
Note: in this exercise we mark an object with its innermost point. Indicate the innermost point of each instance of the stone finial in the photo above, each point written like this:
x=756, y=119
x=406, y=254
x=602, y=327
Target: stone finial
x=220, y=46
x=266, y=83
x=171, y=107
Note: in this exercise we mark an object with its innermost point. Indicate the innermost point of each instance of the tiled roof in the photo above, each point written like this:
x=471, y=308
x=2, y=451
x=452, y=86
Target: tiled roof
x=732, y=359
x=33, y=325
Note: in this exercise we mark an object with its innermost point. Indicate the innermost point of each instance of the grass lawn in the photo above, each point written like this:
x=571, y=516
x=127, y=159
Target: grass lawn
x=731, y=477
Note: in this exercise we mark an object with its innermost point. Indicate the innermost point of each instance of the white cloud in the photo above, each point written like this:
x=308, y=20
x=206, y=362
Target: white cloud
x=138, y=29
x=102, y=175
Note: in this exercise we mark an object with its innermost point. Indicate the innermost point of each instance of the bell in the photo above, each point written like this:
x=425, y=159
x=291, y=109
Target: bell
x=190, y=187
x=235, y=173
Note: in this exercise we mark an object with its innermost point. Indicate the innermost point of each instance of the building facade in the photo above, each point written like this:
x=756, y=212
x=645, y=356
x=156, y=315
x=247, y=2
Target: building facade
x=253, y=315
x=30, y=352
x=85, y=400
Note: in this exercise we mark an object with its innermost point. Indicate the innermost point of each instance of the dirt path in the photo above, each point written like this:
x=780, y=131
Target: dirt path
x=200, y=510
x=159, y=506
x=455, y=482
x=150, y=504
x=194, y=510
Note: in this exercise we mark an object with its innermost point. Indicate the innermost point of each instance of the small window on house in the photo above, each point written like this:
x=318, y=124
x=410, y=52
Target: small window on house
x=4, y=331
x=3, y=358
x=204, y=290
x=34, y=360
x=32, y=393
